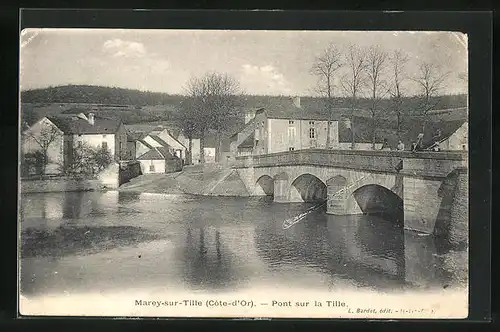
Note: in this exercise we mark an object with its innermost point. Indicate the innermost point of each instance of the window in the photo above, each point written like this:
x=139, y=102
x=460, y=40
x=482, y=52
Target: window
x=311, y=123
x=104, y=145
x=152, y=168
x=103, y=136
x=291, y=149
x=312, y=133
x=291, y=122
x=291, y=133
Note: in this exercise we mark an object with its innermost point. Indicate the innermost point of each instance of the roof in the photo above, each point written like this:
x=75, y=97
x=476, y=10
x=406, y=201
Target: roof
x=154, y=135
x=439, y=132
x=362, y=131
x=145, y=143
x=135, y=135
x=284, y=108
x=159, y=140
x=157, y=153
x=248, y=142
x=240, y=128
x=74, y=125
x=410, y=128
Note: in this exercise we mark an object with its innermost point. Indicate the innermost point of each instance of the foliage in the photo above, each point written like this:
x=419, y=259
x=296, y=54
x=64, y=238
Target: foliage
x=88, y=161
x=33, y=163
x=44, y=138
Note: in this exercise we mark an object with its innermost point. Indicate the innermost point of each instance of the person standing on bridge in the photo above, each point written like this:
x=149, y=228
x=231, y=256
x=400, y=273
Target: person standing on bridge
x=401, y=146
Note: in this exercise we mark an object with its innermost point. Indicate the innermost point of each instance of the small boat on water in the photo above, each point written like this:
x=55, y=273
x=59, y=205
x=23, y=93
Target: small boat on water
x=287, y=223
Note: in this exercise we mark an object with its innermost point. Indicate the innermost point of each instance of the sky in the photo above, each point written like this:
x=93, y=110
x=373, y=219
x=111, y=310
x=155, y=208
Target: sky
x=264, y=62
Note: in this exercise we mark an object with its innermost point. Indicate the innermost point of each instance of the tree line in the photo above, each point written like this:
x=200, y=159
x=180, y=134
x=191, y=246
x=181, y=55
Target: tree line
x=91, y=94
x=379, y=81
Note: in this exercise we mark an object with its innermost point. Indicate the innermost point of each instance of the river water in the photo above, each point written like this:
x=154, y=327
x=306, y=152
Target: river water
x=91, y=241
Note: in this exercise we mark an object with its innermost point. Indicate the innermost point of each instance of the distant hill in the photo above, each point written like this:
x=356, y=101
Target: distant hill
x=110, y=96
x=91, y=94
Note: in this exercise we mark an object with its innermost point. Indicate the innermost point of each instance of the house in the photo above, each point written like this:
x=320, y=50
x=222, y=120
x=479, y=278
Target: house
x=159, y=160
x=132, y=139
x=285, y=126
x=161, y=137
x=61, y=134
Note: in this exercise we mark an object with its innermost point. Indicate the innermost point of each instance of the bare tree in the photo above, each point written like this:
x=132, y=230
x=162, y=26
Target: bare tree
x=430, y=80
x=47, y=135
x=189, y=122
x=352, y=83
x=215, y=96
x=325, y=68
x=375, y=68
x=398, y=61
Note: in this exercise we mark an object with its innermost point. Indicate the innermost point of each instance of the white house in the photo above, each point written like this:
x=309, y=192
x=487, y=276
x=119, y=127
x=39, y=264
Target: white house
x=159, y=160
x=162, y=137
x=285, y=126
x=70, y=131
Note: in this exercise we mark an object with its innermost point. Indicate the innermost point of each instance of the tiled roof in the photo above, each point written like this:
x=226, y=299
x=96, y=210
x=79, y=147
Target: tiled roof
x=75, y=125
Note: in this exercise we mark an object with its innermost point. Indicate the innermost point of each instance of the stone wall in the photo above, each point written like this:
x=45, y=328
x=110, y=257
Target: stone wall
x=459, y=228
x=129, y=171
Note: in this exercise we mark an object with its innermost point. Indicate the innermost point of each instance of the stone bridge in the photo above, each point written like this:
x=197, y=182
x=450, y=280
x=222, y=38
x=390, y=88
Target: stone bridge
x=426, y=190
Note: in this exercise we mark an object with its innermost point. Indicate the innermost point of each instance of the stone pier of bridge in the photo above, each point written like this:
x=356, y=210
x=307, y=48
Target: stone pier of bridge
x=428, y=189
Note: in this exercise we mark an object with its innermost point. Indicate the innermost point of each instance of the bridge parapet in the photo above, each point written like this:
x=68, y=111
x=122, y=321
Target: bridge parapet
x=434, y=164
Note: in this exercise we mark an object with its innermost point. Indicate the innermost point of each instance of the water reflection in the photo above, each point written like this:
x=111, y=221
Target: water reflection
x=347, y=247
x=218, y=243
x=207, y=262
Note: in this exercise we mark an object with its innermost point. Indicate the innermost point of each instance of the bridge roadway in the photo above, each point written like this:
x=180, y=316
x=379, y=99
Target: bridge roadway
x=426, y=190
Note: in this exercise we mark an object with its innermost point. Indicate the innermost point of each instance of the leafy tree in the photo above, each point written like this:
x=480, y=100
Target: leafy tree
x=88, y=161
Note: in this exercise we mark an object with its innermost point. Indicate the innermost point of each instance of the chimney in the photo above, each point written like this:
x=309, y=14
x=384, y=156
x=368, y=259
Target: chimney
x=91, y=118
x=296, y=101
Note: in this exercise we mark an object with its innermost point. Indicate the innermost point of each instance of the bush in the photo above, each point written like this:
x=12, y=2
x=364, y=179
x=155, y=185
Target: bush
x=33, y=163
x=88, y=162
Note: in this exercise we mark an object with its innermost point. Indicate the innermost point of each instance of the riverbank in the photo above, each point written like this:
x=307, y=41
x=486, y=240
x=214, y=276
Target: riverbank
x=60, y=185
x=211, y=180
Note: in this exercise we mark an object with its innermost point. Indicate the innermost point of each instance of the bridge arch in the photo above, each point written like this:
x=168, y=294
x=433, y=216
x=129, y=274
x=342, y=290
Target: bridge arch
x=266, y=183
x=308, y=188
x=375, y=199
